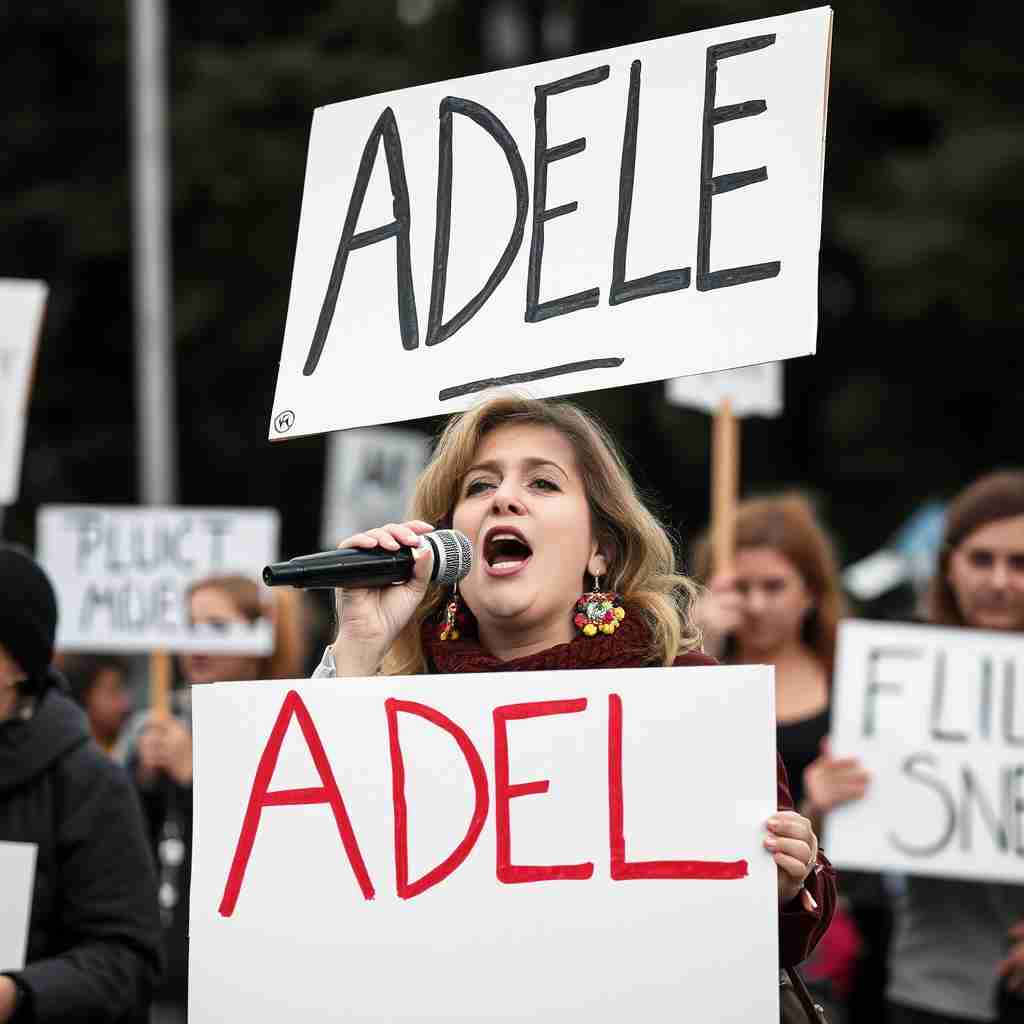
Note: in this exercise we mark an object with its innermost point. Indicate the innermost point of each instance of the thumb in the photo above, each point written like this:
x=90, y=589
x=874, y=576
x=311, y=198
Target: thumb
x=423, y=565
x=826, y=747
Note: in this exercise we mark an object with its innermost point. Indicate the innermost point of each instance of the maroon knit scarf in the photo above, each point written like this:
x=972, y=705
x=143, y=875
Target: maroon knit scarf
x=627, y=647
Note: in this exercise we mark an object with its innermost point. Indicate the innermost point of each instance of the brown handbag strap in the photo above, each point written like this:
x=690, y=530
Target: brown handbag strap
x=811, y=1008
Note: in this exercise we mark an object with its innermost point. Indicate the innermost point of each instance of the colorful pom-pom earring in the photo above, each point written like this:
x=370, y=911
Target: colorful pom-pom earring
x=598, y=612
x=450, y=628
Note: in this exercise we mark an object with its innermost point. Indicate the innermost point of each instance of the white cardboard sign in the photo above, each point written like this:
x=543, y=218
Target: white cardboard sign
x=122, y=573
x=21, y=319
x=751, y=390
x=370, y=479
x=935, y=714
x=644, y=212
x=463, y=868
x=17, y=875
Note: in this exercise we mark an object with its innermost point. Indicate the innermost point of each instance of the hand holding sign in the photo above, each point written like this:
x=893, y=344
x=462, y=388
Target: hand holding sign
x=1012, y=966
x=166, y=746
x=794, y=847
x=719, y=611
x=8, y=998
x=830, y=781
x=370, y=619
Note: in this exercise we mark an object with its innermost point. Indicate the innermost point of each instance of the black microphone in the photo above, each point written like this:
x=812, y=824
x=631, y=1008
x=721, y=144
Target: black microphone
x=451, y=552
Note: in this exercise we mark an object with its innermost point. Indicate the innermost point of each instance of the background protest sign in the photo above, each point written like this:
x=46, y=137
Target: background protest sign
x=508, y=909
x=17, y=875
x=22, y=304
x=747, y=391
x=370, y=478
x=751, y=390
x=640, y=213
x=935, y=716
x=122, y=573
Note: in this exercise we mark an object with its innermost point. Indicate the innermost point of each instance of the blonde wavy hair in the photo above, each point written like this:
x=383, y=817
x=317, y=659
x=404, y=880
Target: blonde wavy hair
x=641, y=557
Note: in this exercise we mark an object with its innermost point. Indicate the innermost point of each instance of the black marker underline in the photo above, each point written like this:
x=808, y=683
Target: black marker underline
x=521, y=378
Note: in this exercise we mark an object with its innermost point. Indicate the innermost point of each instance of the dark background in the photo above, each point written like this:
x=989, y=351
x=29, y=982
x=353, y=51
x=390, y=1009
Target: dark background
x=916, y=387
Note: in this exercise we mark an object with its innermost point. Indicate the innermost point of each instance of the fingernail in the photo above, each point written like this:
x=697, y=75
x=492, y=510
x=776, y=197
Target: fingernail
x=771, y=843
x=808, y=900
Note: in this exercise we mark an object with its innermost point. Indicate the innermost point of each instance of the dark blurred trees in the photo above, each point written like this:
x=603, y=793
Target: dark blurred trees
x=917, y=384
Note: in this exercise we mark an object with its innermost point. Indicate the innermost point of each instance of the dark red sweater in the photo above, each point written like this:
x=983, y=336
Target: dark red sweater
x=629, y=647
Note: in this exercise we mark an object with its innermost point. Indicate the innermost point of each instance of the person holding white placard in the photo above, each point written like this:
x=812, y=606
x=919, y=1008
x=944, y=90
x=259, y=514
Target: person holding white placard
x=958, y=951
x=93, y=950
x=570, y=570
x=780, y=605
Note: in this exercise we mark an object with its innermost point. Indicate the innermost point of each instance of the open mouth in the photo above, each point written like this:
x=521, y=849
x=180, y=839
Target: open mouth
x=505, y=550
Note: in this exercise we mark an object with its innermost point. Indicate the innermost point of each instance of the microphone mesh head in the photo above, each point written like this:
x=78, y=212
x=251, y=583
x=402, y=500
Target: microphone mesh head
x=454, y=556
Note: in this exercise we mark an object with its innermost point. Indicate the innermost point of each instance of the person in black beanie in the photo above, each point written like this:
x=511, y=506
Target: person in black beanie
x=93, y=950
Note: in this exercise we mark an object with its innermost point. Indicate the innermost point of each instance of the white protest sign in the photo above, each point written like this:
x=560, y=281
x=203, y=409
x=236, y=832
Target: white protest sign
x=751, y=390
x=370, y=478
x=122, y=573
x=935, y=716
x=17, y=875
x=556, y=846
x=640, y=213
x=21, y=320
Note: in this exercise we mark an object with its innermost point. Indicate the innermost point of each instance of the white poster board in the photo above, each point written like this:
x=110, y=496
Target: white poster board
x=644, y=212
x=936, y=716
x=17, y=877
x=370, y=478
x=122, y=573
x=22, y=304
x=530, y=925
x=751, y=390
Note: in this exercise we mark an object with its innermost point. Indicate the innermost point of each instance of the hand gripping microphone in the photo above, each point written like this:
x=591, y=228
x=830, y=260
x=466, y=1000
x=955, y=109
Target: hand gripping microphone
x=451, y=552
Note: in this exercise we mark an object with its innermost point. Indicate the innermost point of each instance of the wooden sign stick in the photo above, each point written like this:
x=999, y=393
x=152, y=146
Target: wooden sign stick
x=160, y=676
x=725, y=471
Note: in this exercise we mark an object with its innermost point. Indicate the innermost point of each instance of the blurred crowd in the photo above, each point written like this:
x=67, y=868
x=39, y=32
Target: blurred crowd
x=112, y=777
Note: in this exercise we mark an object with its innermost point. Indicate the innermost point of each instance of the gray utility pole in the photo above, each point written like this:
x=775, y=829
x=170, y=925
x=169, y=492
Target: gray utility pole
x=154, y=363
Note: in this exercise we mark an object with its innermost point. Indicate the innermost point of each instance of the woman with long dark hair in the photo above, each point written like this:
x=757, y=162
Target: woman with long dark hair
x=570, y=570
x=958, y=950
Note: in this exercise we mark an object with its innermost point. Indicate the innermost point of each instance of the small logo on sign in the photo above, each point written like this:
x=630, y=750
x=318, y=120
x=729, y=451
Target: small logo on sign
x=284, y=421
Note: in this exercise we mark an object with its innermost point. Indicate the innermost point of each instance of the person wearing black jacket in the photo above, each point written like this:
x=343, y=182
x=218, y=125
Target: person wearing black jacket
x=93, y=949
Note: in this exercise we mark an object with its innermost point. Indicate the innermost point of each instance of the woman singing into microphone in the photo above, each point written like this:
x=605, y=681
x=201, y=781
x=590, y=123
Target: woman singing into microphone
x=570, y=570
